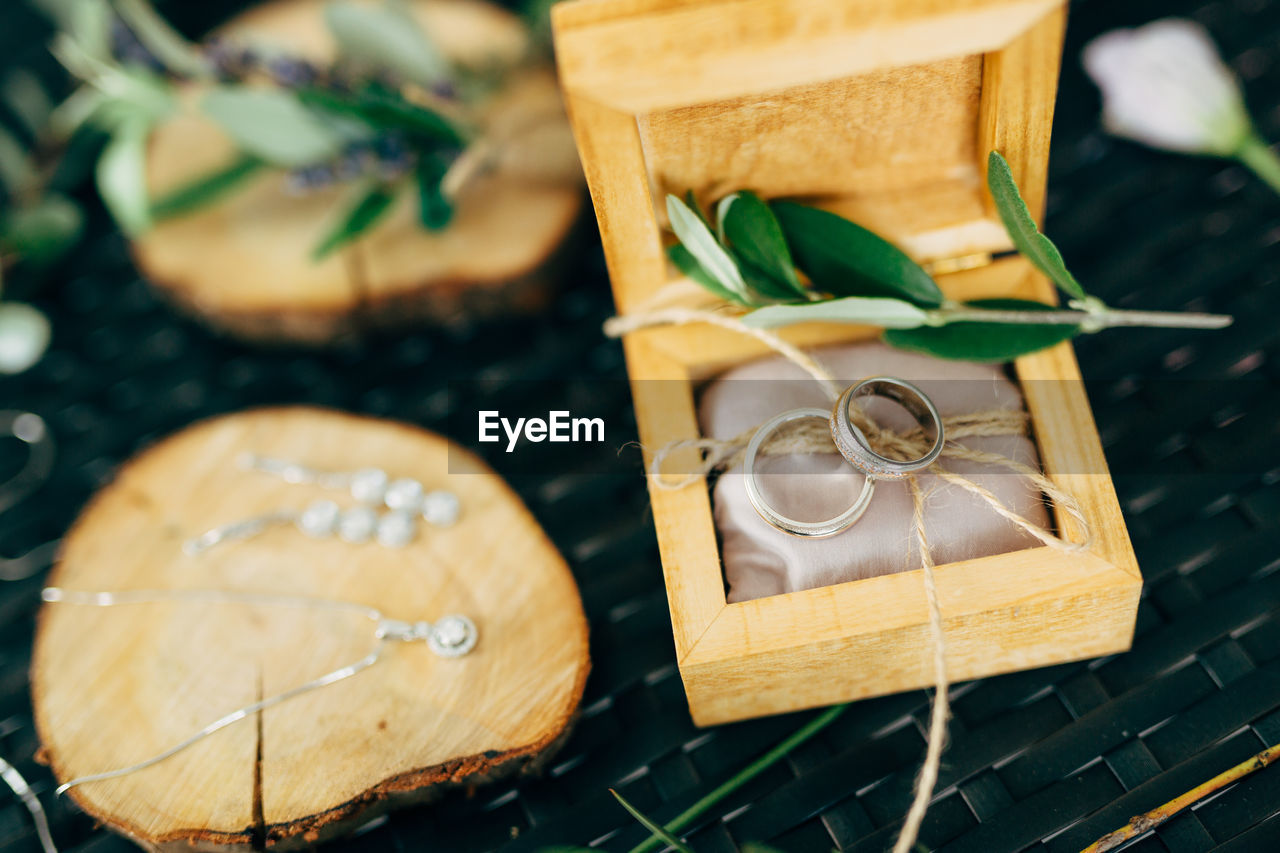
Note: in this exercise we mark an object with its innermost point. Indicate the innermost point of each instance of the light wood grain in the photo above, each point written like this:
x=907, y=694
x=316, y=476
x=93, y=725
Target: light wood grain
x=884, y=113
x=696, y=53
x=244, y=263
x=881, y=112
x=113, y=686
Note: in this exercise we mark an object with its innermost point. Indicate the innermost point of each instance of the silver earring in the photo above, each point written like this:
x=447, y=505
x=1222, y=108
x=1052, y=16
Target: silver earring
x=405, y=501
x=319, y=520
x=369, y=486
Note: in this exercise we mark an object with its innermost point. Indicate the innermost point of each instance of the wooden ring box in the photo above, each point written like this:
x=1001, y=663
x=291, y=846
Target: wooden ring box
x=883, y=112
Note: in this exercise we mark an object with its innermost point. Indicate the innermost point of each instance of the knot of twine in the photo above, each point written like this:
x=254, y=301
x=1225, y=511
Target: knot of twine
x=813, y=437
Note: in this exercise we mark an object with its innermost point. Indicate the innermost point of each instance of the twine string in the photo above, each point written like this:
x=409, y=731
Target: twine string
x=812, y=437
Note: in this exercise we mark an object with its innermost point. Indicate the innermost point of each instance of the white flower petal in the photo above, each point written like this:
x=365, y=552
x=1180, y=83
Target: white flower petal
x=24, y=335
x=1165, y=85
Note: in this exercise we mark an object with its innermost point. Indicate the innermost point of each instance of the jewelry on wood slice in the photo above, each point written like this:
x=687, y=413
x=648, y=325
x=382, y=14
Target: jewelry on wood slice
x=116, y=685
x=244, y=265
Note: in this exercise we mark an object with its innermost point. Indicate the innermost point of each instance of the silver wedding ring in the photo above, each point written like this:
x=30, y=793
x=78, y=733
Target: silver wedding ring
x=853, y=444
x=810, y=529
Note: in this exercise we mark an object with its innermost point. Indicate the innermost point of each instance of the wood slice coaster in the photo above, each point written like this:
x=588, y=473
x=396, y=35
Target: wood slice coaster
x=244, y=263
x=113, y=686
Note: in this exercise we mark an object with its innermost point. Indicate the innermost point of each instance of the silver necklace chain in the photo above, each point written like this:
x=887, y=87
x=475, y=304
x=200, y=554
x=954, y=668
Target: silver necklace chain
x=450, y=636
x=19, y=785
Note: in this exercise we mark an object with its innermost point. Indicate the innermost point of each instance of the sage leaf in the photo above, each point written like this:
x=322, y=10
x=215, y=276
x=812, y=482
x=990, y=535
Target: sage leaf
x=206, y=189
x=848, y=260
x=1027, y=239
x=366, y=213
x=16, y=168
x=755, y=237
x=272, y=125
x=879, y=311
x=653, y=826
x=978, y=341
x=689, y=265
x=24, y=336
x=25, y=95
x=44, y=232
x=434, y=210
x=122, y=177
x=385, y=111
x=695, y=235
x=89, y=24
x=137, y=94
x=165, y=43
x=386, y=37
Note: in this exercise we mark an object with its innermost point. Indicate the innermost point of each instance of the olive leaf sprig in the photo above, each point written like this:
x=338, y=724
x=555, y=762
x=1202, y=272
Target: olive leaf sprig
x=389, y=115
x=753, y=253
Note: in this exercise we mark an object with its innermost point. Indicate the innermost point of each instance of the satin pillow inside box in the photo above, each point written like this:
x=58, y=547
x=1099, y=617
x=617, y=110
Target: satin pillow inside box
x=760, y=560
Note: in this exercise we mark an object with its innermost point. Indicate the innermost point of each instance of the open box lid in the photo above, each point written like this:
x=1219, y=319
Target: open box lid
x=881, y=110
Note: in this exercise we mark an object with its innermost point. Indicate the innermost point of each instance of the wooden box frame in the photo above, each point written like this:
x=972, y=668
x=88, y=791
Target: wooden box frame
x=621, y=60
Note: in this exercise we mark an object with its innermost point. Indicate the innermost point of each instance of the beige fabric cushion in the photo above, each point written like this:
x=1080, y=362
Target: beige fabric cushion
x=760, y=560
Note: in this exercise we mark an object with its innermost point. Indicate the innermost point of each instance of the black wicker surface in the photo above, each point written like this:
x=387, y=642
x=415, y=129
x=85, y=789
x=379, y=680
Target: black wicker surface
x=1046, y=760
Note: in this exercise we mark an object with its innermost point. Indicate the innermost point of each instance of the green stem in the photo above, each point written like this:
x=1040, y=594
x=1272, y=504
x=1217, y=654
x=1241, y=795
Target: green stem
x=743, y=776
x=1258, y=156
x=1100, y=319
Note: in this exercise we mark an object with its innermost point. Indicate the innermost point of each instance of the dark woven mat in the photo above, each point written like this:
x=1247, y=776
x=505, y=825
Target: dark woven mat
x=1046, y=760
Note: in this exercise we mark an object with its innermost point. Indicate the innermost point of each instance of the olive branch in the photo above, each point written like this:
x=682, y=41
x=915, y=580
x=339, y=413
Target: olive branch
x=790, y=263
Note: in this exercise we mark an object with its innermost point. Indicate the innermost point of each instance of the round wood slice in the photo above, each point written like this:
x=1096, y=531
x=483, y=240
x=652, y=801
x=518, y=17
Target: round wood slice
x=113, y=686
x=244, y=263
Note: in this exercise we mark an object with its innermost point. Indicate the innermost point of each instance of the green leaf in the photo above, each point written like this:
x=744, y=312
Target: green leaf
x=757, y=847
x=24, y=336
x=862, y=310
x=761, y=287
x=694, y=234
x=366, y=213
x=273, y=125
x=656, y=828
x=388, y=37
x=847, y=260
x=434, y=210
x=122, y=178
x=145, y=93
x=689, y=265
x=754, y=236
x=165, y=43
x=206, y=189
x=382, y=110
x=16, y=168
x=691, y=201
x=977, y=341
x=89, y=24
x=25, y=95
x=42, y=233
x=1028, y=240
